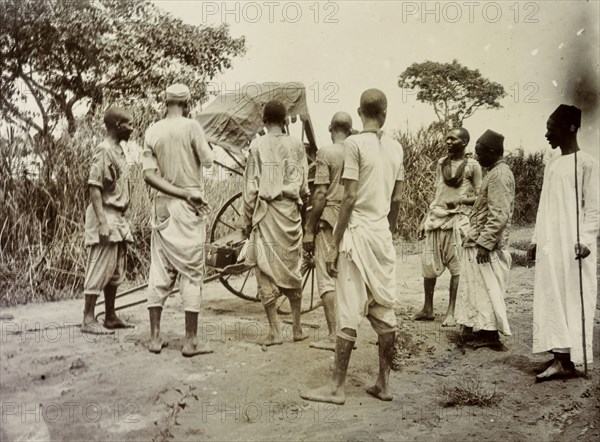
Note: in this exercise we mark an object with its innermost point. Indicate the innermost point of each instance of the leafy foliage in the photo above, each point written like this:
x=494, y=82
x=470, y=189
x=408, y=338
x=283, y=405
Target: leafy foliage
x=421, y=151
x=455, y=91
x=529, y=177
x=67, y=53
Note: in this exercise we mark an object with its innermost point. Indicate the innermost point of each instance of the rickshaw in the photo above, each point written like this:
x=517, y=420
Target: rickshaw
x=231, y=121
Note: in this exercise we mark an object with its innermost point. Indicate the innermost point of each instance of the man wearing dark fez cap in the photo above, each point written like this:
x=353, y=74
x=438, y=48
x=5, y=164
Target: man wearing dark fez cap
x=556, y=299
x=486, y=262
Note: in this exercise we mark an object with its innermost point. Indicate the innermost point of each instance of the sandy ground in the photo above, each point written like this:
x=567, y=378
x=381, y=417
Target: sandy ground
x=57, y=384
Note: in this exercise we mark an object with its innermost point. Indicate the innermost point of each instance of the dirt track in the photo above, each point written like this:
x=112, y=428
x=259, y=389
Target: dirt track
x=58, y=384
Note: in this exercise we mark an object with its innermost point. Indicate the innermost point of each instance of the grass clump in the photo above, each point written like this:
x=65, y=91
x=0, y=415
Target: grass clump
x=469, y=391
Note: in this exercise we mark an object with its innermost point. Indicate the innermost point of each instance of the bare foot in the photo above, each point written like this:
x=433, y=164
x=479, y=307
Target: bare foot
x=325, y=394
x=379, y=393
x=93, y=327
x=495, y=345
x=156, y=346
x=116, y=322
x=556, y=371
x=424, y=316
x=190, y=350
x=325, y=344
x=449, y=321
x=545, y=366
x=271, y=340
x=299, y=335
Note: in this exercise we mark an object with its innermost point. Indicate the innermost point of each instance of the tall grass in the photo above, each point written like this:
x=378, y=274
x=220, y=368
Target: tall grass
x=421, y=151
x=528, y=170
x=42, y=254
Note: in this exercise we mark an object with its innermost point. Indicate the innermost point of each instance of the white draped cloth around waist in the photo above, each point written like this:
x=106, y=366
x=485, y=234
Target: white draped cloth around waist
x=445, y=219
x=179, y=233
x=372, y=250
x=275, y=242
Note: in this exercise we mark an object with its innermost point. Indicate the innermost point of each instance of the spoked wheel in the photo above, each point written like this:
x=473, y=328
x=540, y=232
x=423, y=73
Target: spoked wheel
x=310, y=292
x=243, y=284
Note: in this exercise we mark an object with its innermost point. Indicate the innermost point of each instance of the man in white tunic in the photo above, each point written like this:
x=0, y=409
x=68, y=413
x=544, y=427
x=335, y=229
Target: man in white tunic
x=486, y=263
x=275, y=186
x=175, y=151
x=556, y=301
x=366, y=261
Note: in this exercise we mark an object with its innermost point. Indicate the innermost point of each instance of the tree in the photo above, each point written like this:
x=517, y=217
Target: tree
x=71, y=53
x=455, y=91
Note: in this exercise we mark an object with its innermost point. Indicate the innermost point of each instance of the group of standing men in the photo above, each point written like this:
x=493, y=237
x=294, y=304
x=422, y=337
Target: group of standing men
x=354, y=215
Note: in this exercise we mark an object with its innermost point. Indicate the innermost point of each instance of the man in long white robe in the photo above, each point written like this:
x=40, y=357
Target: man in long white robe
x=557, y=325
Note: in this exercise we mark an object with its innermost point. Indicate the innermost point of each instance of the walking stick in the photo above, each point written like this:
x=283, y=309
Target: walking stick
x=579, y=259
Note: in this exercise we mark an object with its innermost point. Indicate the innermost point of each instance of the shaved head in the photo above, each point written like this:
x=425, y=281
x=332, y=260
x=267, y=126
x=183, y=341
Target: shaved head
x=373, y=103
x=115, y=116
x=462, y=133
x=341, y=122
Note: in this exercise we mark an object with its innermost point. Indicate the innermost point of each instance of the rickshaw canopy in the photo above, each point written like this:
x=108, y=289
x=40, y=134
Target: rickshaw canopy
x=233, y=119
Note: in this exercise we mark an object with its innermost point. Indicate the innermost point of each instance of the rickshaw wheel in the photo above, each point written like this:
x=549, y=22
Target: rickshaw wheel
x=224, y=223
x=310, y=292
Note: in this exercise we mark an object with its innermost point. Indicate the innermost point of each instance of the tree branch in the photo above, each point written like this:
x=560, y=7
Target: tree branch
x=18, y=114
x=35, y=94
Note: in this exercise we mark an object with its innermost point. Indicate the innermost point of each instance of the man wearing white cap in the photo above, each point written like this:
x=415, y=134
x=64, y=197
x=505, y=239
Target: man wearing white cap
x=480, y=308
x=174, y=154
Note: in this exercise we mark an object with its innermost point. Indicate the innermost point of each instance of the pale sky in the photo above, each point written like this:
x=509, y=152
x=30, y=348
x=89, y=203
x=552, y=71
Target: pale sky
x=338, y=49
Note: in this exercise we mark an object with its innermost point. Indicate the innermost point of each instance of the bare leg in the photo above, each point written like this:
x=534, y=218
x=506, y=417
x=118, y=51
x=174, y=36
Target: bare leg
x=426, y=314
x=156, y=344
x=335, y=391
x=190, y=346
x=328, y=343
x=449, y=320
x=89, y=323
x=386, y=353
x=111, y=320
x=274, y=337
x=296, y=307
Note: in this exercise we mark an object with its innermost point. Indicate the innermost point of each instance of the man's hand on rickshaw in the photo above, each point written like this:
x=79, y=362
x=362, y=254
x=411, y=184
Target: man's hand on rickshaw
x=308, y=242
x=246, y=230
